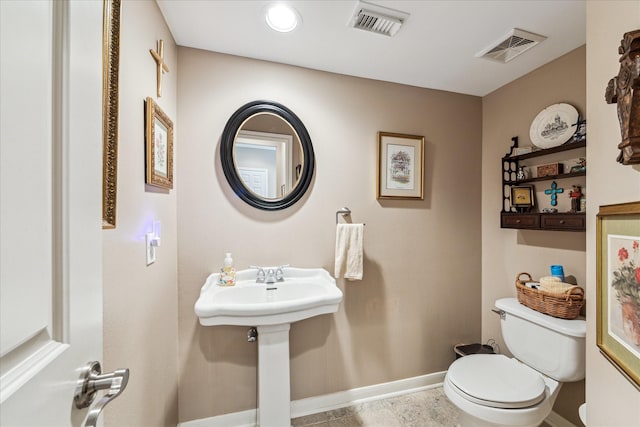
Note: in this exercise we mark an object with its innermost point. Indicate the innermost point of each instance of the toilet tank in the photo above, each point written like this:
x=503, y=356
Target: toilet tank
x=552, y=346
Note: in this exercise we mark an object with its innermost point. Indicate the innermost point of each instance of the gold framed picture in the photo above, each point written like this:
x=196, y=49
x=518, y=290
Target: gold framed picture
x=618, y=287
x=159, y=146
x=400, y=166
x=522, y=197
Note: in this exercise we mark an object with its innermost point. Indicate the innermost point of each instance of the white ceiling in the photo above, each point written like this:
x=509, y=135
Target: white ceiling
x=435, y=48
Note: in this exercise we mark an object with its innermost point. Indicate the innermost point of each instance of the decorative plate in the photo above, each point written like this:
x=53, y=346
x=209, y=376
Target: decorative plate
x=554, y=126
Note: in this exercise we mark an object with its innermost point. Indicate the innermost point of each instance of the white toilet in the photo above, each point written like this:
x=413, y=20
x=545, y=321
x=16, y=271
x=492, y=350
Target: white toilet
x=495, y=390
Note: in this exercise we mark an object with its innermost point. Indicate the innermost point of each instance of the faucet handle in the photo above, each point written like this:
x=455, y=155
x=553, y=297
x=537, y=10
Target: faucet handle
x=261, y=275
x=280, y=272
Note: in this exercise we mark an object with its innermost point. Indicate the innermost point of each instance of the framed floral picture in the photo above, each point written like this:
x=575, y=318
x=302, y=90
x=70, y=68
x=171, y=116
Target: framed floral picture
x=159, y=146
x=400, y=166
x=618, y=287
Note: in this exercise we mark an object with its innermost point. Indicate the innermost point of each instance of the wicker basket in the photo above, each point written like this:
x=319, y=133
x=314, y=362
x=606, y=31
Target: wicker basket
x=563, y=306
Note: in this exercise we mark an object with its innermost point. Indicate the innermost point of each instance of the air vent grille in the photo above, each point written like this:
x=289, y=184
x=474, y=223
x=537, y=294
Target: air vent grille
x=377, y=19
x=515, y=43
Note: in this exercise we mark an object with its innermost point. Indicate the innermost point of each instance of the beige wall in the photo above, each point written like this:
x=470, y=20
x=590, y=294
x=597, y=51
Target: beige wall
x=508, y=112
x=611, y=399
x=421, y=289
x=140, y=326
x=414, y=303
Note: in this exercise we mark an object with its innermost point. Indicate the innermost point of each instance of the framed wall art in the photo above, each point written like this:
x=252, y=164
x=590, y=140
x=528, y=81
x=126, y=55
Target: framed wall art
x=159, y=146
x=522, y=197
x=400, y=166
x=618, y=287
x=110, y=72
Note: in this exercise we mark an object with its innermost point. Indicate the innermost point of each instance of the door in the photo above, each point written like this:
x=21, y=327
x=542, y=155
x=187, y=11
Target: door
x=257, y=180
x=50, y=199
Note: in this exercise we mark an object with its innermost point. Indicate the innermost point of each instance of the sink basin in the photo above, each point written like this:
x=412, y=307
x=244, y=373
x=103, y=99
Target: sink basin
x=304, y=293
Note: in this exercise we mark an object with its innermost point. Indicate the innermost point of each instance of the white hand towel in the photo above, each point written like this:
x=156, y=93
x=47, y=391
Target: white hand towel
x=349, y=251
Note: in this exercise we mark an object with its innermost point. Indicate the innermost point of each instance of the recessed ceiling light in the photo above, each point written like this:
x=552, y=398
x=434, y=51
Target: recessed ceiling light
x=281, y=17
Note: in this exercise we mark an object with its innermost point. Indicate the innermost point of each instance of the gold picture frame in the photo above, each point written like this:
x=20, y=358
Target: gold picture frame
x=400, y=166
x=618, y=281
x=110, y=73
x=159, y=146
x=522, y=197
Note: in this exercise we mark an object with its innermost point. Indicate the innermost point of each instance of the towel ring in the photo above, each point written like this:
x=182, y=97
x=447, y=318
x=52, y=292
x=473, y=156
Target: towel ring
x=344, y=211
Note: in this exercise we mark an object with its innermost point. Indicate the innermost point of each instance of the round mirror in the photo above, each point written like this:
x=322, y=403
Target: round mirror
x=267, y=156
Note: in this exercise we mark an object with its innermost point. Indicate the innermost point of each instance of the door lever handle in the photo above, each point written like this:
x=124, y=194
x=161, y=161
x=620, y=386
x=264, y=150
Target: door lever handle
x=93, y=380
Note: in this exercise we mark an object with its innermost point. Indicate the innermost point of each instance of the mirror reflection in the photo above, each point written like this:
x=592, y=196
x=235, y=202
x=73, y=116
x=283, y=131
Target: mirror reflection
x=268, y=156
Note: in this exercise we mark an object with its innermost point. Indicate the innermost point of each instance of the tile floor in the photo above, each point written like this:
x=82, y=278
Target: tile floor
x=428, y=408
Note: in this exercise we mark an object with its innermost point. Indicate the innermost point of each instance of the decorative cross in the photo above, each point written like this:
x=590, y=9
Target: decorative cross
x=554, y=191
x=162, y=67
x=624, y=90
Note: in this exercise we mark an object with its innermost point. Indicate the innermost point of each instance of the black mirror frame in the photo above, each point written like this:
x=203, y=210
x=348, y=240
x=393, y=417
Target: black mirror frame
x=228, y=164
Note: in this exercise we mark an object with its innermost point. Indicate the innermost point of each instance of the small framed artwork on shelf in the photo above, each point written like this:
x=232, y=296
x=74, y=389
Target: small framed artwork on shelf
x=518, y=151
x=522, y=197
x=159, y=146
x=617, y=282
x=400, y=166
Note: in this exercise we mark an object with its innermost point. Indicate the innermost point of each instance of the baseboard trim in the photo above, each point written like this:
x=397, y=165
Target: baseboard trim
x=341, y=399
x=328, y=402
x=556, y=420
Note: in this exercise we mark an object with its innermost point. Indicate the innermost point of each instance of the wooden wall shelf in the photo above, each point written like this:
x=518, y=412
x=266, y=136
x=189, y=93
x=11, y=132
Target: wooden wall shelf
x=534, y=220
x=543, y=221
x=564, y=147
x=546, y=178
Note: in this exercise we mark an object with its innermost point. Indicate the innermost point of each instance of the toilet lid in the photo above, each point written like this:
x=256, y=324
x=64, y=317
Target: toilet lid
x=497, y=381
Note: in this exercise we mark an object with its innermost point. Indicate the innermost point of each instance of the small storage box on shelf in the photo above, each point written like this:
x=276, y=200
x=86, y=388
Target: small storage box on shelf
x=564, y=306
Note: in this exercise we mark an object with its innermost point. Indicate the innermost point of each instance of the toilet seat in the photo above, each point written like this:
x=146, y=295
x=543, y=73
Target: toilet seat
x=496, y=381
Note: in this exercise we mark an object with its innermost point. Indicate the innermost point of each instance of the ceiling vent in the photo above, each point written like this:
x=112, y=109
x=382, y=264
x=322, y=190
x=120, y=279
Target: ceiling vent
x=515, y=43
x=377, y=19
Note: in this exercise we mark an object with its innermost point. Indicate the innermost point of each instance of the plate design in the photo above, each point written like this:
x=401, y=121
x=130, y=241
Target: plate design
x=554, y=126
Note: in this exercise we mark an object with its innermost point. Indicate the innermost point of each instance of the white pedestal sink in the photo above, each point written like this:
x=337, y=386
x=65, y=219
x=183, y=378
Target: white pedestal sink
x=304, y=293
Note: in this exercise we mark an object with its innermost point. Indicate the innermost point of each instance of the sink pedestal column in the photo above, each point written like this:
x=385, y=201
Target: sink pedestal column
x=274, y=389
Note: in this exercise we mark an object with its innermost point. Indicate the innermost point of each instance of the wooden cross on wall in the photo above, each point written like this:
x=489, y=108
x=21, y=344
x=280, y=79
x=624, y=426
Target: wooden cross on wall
x=162, y=67
x=624, y=89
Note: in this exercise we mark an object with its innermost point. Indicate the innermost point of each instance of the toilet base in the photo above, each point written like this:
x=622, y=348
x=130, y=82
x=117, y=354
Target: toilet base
x=474, y=415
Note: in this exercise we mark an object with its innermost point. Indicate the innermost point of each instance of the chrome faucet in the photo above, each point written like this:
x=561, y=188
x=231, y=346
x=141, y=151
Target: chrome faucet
x=270, y=275
x=261, y=275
